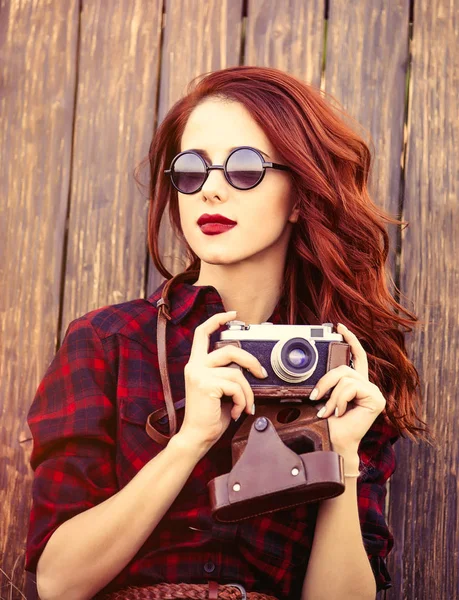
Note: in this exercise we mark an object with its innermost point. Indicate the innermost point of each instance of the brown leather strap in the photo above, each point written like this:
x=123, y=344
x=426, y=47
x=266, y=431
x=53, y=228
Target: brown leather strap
x=213, y=589
x=156, y=416
x=163, y=317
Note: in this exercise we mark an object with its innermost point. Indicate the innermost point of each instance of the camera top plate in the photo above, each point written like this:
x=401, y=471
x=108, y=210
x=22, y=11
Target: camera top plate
x=239, y=330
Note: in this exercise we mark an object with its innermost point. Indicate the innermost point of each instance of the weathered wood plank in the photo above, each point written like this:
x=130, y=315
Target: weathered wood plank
x=425, y=560
x=115, y=111
x=38, y=44
x=366, y=65
x=285, y=36
x=366, y=69
x=200, y=36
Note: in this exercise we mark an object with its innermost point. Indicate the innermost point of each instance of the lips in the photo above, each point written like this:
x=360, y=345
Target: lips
x=204, y=219
x=215, y=224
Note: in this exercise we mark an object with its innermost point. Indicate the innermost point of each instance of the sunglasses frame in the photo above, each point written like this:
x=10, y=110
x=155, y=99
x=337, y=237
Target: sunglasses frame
x=264, y=165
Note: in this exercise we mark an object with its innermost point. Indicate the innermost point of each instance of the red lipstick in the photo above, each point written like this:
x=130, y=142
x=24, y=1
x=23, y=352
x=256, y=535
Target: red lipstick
x=215, y=224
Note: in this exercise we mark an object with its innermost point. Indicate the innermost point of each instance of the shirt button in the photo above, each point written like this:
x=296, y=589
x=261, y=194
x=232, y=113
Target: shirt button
x=209, y=567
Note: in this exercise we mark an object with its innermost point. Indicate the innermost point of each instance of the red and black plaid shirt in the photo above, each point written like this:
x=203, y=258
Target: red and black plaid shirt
x=88, y=424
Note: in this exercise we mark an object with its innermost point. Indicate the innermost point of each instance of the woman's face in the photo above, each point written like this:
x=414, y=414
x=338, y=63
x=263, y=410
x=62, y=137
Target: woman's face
x=263, y=214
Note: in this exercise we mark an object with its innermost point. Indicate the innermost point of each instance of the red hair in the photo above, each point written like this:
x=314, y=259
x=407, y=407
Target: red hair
x=338, y=248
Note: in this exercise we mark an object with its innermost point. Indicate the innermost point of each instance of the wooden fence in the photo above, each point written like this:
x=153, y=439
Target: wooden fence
x=83, y=85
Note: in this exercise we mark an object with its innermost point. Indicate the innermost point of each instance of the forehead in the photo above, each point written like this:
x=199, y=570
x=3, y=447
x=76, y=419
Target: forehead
x=217, y=125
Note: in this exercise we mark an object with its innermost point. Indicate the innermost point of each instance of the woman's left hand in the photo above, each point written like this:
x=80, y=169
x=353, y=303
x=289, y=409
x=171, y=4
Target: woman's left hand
x=350, y=423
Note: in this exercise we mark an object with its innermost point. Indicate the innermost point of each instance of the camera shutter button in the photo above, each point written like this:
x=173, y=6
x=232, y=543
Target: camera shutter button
x=237, y=325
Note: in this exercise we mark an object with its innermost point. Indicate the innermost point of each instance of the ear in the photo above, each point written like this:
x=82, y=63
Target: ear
x=293, y=218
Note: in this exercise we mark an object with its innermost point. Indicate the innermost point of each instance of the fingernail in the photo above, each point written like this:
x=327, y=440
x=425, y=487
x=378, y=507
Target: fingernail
x=322, y=411
x=313, y=395
x=336, y=412
x=253, y=409
x=264, y=371
x=342, y=325
x=236, y=418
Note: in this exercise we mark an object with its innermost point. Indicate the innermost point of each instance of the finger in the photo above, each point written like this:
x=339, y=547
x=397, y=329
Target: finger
x=367, y=396
x=227, y=354
x=332, y=377
x=235, y=391
x=202, y=333
x=359, y=356
x=342, y=395
x=237, y=377
x=337, y=404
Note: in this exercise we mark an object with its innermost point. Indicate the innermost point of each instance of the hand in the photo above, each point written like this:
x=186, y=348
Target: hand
x=347, y=427
x=207, y=379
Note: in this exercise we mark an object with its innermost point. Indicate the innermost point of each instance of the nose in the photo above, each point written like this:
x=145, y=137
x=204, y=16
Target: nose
x=215, y=186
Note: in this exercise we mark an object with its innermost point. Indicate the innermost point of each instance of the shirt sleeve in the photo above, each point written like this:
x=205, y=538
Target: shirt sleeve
x=377, y=463
x=73, y=421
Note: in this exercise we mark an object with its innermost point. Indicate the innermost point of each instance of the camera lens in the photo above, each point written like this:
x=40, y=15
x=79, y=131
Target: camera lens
x=297, y=358
x=294, y=360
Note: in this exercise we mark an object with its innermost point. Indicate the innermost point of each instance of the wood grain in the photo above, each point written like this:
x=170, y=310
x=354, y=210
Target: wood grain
x=287, y=36
x=425, y=560
x=115, y=112
x=38, y=73
x=200, y=36
x=366, y=68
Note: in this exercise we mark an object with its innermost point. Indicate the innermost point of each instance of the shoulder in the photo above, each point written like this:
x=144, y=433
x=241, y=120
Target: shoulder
x=120, y=318
x=134, y=319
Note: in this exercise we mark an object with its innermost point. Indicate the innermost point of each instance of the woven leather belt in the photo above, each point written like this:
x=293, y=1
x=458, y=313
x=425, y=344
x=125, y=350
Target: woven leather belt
x=195, y=591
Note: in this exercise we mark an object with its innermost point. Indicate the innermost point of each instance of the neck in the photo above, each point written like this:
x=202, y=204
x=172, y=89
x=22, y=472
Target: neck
x=250, y=288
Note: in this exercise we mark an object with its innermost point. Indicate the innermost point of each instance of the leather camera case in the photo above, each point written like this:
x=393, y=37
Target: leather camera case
x=281, y=457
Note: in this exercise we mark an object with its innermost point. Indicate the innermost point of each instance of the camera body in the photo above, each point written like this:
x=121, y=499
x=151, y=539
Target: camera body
x=295, y=356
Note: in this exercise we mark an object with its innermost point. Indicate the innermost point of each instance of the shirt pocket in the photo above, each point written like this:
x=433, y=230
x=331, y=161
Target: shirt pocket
x=135, y=448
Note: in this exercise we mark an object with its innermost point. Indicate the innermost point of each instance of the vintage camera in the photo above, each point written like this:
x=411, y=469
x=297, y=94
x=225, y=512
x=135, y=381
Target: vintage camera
x=282, y=456
x=295, y=356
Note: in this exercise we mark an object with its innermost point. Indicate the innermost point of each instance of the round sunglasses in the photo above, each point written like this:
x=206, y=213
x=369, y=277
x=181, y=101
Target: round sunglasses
x=244, y=169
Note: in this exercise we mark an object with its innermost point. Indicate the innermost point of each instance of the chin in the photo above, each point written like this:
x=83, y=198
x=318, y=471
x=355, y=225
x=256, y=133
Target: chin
x=218, y=258
x=221, y=253
x=225, y=252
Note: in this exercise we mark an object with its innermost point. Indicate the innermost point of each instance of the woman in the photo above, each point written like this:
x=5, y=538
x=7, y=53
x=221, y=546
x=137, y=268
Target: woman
x=286, y=233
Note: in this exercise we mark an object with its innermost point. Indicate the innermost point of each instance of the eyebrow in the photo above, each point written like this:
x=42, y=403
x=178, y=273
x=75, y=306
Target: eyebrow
x=204, y=153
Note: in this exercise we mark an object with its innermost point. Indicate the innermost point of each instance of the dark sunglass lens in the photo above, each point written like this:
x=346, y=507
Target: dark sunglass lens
x=188, y=173
x=244, y=168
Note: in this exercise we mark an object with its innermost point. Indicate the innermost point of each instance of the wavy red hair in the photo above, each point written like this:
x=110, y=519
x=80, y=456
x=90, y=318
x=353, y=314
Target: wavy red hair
x=339, y=246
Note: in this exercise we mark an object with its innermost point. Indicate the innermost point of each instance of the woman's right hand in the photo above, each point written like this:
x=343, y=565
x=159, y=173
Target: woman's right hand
x=208, y=378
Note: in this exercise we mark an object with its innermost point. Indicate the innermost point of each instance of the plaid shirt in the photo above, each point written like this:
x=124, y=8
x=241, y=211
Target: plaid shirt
x=88, y=424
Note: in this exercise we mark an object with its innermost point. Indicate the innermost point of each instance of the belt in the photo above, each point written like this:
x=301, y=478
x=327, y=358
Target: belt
x=195, y=591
